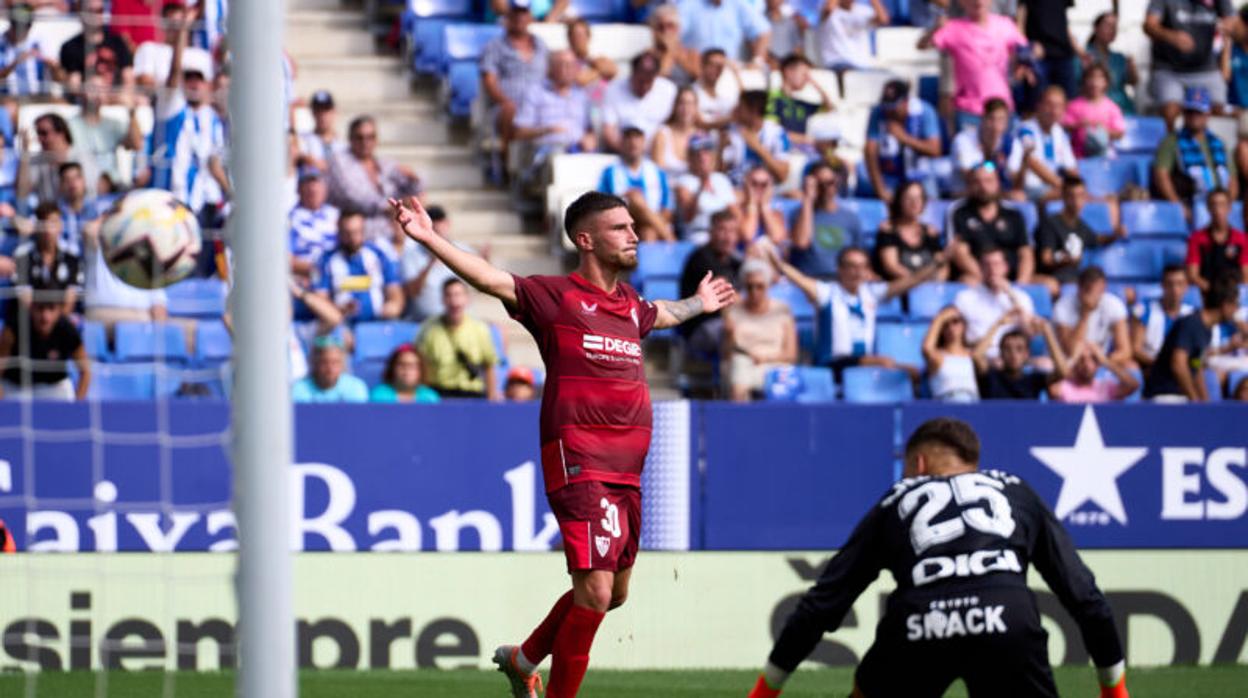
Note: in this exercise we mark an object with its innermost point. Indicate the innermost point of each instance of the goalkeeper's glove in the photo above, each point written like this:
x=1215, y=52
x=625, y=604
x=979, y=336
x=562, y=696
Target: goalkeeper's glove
x=762, y=690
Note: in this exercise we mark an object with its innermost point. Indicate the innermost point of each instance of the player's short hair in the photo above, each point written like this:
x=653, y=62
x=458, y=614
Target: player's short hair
x=585, y=207
x=1091, y=275
x=948, y=432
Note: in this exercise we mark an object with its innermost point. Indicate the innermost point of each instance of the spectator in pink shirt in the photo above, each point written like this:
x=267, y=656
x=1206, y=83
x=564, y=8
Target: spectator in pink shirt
x=981, y=46
x=1093, y=119
x=1081, y=385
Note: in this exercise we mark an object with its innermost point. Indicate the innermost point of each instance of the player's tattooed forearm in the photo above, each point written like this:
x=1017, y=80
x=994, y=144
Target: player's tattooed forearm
x=685, y=309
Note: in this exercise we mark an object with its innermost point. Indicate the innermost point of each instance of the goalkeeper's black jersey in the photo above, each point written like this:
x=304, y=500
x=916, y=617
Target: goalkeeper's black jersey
x=948, y=537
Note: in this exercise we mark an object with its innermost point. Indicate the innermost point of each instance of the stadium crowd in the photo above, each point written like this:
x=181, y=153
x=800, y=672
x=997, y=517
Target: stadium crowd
x=1014, y=225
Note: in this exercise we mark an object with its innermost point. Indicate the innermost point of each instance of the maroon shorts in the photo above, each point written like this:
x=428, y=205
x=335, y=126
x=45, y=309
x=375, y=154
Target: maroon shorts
x=600, y=523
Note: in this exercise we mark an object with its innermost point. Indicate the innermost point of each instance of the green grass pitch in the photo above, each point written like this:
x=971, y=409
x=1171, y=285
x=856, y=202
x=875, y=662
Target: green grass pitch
x=1204, y=682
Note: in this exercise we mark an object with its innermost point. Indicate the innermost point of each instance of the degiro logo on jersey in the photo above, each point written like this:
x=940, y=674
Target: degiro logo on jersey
x=610, y=348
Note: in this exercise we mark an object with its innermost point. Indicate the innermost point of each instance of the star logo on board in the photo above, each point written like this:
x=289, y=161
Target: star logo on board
x=1089, y=470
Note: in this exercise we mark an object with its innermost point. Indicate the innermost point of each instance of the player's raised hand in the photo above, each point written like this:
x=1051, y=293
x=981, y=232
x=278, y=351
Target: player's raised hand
x=413, y=218
x=715, y=293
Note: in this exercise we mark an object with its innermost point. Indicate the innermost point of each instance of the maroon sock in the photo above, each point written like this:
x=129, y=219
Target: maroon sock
x=571, y=651
x=542, y=640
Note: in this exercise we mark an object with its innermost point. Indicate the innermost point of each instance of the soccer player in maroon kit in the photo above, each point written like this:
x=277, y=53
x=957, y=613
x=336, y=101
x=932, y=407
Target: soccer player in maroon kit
x=596, y=415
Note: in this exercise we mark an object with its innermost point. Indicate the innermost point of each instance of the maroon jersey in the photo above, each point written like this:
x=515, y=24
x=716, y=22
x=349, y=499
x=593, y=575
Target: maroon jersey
x=596, y=413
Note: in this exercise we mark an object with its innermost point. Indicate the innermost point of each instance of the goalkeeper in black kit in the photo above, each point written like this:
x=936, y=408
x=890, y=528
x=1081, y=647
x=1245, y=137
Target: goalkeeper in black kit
x=958, y=541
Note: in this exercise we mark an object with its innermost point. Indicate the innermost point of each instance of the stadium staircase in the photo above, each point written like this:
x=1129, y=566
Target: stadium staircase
x=334, y=49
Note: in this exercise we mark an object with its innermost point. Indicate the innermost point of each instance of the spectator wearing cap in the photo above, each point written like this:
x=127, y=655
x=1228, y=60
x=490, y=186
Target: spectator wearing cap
x=1151, y=319
x=44, y=264
x=1176, y=373
x=1193, y=161
x=459, y=349
x=318, y=147
x=98, y=135
x=556, y=116
x=643, y=185
x=402, y=380
x=1082, y=385
x=512, y=65
x=736, y=26
x=1063, y=238
x=670, y=146
x=329, y=380
x=593, y=73
x=153, y=59
x=677, y=62
x=644, y=99
x=983, y=304
x=759, y=334
x=845, y=308
x=905, y=244
x=313, y=225
x=788, y=31
x=844, y=33
x=703, y=192
x=751, y=140
x=361, y=180
x=715, y=106
x=903, y=133
x=1042, y=153
x=520, y=385
x=704, y=333
x=981, y=222
x=982, y=47
x=787, y=108
x=823, y=228
x=188, y=140
x=35, y=347
x=1093, y=316
x=1217, y=249
x=1183, y=33
x=25, y=67
x=97, y=50
x=989, y=141
x=424, y=275
x=358, y=277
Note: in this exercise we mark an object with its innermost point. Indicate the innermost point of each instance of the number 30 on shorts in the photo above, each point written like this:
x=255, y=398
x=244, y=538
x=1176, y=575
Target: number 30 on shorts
x=611, y=518
x=931, y=498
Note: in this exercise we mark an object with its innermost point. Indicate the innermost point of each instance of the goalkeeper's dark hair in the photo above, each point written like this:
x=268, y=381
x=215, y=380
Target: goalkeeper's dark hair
x=947, y=432
x=587, y=206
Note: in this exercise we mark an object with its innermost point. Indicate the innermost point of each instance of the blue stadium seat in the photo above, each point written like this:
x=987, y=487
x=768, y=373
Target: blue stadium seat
x=197, y=298
x=599, y=10
x=187, y=383
x=1095, y=214
x=889, y=310
x=1106, y=176
x=788, y=207
x=1150, y=219
x=375, y=340
x=1128, y=261
x=369, y=371
x=929, y=86
x=421, y=9
x=796, y=300
x=1143, y=134
x=1212, y=387
x=429, y=46
x=1039, y=294
x=934, y=214
x=806, y=384
x=927, y=299
x=1200, y=214
x=150, y=341
x=1030, y=216
x=903, y=342
x=95, y=341
x=113, y=382
x=1233, y=381
x=213, y=343
x=873, y=384
x=661, y=288
x=661, y=259
x=870, y=213
x=464, y=44
x=464, y=79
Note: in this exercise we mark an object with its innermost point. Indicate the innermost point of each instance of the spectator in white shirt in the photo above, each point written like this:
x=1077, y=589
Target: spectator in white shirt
x=643, y=99
x=1042, y=153
x=984, y=304
x=788, y=32
x=317, y=147
x=100, y=136
x=845, y=33
x=643, y=184
x=990, y=141
x=751, y=140
x=25, y=68
x=703, y=191
x=1091, y=315
x=557, y=115
x=715, y=106
x=109, y=300
x=152, y=59
x=1151, y=320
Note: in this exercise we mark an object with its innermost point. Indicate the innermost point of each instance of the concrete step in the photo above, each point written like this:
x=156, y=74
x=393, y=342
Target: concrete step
x=457, y=201
x=293, y=6
x=440, y=167
x=355, y=79
x=327, y=34
x=472, y=224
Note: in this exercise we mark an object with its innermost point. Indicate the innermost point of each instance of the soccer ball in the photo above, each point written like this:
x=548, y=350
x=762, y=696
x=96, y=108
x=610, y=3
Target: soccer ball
x=150, y=239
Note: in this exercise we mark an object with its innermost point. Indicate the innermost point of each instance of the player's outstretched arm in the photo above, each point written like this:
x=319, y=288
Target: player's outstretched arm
x=712, y=295
x=483, y=276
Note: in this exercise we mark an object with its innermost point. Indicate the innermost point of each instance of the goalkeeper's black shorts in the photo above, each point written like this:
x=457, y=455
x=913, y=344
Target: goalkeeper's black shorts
x=991, y=639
